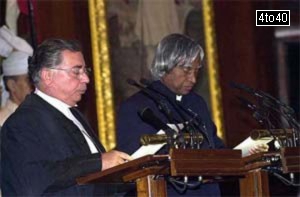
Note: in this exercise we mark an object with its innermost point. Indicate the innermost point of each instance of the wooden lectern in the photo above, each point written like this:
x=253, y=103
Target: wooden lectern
x=211, y=165
x=148, y=171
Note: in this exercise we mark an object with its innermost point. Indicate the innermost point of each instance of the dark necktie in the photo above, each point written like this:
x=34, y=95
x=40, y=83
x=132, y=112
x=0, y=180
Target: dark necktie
x=88, y=130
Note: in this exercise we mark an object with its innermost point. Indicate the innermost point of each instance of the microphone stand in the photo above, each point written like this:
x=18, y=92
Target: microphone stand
x=190, y=125
x=259, y=114
x=290, y=121
x=194, y=118
x=161, y=104
x=276, y=105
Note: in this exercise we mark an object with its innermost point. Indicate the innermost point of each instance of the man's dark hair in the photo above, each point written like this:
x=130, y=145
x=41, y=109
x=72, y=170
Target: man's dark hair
x=48, y=55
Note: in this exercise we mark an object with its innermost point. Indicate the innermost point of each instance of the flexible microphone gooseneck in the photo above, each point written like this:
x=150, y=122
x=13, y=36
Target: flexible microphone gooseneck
x=271, y=105
x=161, y=104
x=267, y=97
x=194, y=121
x=149, y=117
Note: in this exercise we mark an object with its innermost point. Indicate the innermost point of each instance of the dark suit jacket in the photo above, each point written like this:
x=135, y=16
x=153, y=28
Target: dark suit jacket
x=43, y=152
x=130, y=126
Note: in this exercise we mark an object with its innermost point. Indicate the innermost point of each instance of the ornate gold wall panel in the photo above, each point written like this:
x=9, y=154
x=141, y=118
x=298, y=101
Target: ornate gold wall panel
x=102, y=74
x=213, y=66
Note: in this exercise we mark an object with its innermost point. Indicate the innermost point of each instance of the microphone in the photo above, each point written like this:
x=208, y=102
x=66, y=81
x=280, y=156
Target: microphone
x=147, y=139
x=176, y=104
x=162, y=105
x=263, y=95
x=263, y=116
x=149, y=117
x=134, y=83
x=179, y=108
x=145, y=81
x=246, y=103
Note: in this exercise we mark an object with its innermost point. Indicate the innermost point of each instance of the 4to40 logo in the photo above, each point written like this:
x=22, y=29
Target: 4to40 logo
x=272, y=17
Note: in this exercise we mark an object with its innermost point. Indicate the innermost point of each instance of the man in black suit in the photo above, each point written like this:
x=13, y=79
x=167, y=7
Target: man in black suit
x=46, y=143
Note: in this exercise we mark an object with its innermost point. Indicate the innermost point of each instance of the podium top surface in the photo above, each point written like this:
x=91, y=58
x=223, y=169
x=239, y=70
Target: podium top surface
x=123, y=172
x=179, y=162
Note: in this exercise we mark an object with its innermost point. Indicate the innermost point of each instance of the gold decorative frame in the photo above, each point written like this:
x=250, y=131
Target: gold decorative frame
x=102, y=73
x=213, y=67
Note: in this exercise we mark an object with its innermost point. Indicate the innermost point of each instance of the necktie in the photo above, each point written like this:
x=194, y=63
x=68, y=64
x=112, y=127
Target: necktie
x=88, y=130
x=80, y=118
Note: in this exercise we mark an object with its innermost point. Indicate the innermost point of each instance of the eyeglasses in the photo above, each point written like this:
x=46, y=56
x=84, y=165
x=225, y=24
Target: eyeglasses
x=76, y=71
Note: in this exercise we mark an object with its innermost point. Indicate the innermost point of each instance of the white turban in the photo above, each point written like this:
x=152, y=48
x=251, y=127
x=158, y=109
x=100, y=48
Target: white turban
x=15, y=64
x=9, y=42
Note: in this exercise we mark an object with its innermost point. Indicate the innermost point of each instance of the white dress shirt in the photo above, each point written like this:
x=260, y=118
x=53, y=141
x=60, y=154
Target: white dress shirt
x=65, y=109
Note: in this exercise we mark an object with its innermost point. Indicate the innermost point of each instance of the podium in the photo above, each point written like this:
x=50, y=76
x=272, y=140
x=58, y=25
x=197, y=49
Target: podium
x=256, y=181
x=212, y=165
x=148, y=171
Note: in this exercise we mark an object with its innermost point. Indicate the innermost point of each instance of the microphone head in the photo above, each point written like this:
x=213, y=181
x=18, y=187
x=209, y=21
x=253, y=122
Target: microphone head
x=246, y=103
x=145, y=82
x=149, y=117
x=241, y=87
x=134, y=83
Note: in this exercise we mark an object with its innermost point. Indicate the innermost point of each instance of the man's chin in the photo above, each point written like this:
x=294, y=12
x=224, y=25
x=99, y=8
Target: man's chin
x=185, y=91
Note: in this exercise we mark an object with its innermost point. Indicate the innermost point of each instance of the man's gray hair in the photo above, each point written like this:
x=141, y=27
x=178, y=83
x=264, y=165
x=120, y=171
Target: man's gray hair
x=174, y=50
x=48, y=55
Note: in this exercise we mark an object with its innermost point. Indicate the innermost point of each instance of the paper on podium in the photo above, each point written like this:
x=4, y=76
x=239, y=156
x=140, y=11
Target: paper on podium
x=153, y=148
x=248, y=143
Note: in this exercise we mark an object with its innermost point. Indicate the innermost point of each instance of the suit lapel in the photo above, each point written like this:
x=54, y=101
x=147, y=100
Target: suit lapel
x=69, y=127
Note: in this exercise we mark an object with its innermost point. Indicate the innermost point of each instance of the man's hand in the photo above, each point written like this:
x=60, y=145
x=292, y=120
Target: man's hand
x=114, y=158
x=259, y=148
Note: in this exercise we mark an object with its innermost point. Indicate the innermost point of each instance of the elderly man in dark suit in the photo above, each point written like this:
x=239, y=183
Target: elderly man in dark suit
x=177, y=62
x=46, y=143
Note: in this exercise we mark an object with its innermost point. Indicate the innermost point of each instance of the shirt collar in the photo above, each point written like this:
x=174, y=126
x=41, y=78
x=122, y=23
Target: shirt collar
x=58, y=104
x=158, y=85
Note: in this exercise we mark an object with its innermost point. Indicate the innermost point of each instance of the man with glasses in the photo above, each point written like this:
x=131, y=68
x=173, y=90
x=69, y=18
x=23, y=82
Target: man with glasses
x=47, y=143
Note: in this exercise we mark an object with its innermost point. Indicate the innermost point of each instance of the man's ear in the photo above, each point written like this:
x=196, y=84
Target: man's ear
x=47, y=76
x=11, y=85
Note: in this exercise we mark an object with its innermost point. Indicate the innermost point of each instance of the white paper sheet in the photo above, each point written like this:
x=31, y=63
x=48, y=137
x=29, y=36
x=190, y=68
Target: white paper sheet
x=249, y=143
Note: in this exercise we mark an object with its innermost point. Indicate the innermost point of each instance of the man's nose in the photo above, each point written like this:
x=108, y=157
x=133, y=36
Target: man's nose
x=85, y=78
x=193, y=77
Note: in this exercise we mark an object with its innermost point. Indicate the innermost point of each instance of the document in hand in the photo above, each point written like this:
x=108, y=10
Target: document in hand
x=248, y=143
